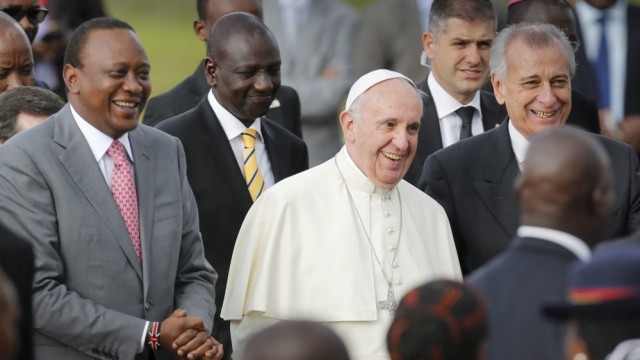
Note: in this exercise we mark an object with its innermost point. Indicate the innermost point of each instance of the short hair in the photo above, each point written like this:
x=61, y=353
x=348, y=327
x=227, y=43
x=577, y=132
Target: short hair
x=467, y=10
x=79, y=38
x=25, y=99
x=232, y=24
x=602, y=333
x=201, y=8
x=442, y=319
x=536, y=36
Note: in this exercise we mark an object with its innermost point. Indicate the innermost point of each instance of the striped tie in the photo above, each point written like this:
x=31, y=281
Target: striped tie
x=252, y=174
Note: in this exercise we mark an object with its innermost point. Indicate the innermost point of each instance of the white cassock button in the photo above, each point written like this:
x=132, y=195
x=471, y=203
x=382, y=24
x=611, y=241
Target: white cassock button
x=395, y=264
x=389, y=230
x=386, y=213
x=398, y=282
x=392, y=248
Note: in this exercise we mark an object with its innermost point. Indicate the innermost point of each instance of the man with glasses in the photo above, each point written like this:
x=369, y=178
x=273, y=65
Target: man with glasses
x=28, y=13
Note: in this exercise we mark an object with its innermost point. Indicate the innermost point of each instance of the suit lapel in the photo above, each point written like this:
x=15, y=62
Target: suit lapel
x=496, y=185
x=216, y=146
x=278, y=159
x=145, y=185
x=79, y=162
x=430, y=138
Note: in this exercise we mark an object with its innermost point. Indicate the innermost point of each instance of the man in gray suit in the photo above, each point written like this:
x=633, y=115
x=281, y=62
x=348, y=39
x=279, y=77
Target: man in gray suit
x=316, y=41
x=120, y=271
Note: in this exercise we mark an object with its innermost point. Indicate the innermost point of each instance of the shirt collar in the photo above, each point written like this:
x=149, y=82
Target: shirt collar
x=445, y=103
x=230, y=124
x=566, y=240
x=99, y=142
x=301, y=3
x=519, y=144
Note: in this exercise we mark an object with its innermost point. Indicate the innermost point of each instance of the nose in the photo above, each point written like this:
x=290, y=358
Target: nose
x=401, y=140
x=547, y=95
x=132, y=84
x=14, y=80
x=263, y=82
x=473, y=54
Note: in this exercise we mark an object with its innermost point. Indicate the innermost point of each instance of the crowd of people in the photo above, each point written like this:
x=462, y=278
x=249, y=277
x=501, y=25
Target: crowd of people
x=323, y=186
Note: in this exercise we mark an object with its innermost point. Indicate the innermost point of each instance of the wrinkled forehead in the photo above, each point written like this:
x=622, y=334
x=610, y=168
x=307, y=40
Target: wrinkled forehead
x=19, y=3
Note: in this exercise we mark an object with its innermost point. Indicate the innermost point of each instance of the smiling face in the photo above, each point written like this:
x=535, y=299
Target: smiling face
x=460, y=56
x=245, y=74
x=381, y=131
x=537, y=87
x=112, y=86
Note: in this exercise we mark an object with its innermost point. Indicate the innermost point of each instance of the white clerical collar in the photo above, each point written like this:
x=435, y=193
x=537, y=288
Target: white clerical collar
x=566, y=240
x=519, y=144
x=445, y=103
x=99, y=142
x=354, y=176
x=230, y=124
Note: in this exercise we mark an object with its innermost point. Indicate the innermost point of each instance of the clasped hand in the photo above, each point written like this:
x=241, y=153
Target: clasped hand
x=187, y=337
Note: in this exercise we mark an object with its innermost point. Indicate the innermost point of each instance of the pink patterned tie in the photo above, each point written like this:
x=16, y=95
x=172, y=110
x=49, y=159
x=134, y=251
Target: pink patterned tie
x=123, y=189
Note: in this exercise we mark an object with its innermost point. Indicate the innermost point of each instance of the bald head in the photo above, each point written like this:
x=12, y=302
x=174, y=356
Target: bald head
x=566, y=184
x=296, y=340
x=235, y=27
x=16, y=59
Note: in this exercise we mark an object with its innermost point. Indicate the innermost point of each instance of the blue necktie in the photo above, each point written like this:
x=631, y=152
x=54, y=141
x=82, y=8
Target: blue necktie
x=601, y=66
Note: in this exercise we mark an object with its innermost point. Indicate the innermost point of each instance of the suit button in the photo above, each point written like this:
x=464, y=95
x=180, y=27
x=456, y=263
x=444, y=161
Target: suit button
x=147, y=306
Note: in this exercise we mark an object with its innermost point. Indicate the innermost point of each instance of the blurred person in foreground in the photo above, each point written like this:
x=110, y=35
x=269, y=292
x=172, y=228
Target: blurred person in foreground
x=440, y=320
x=341, y=242
x=602, y=305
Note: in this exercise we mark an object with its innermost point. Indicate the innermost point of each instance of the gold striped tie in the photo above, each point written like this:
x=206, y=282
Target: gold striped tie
x=252, y=174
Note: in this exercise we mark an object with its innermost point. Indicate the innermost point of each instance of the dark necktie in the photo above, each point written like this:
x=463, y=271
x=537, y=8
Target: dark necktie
x=601, y=66
x=466, y=113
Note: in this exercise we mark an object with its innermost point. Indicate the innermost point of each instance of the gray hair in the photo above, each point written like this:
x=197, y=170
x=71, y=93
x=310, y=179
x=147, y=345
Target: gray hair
x=536, y=36
x=467, y=10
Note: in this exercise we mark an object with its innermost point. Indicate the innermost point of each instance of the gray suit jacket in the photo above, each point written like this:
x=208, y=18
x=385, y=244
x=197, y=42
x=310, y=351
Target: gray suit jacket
x=390, y=38
x=325, y=41
x=91, y=296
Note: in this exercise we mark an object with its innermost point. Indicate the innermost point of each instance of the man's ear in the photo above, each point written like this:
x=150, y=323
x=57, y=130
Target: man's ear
x=70, y=75
x=498, y=88
x=210, y=69
x=428, y=44
x=200, y=29
x=347, y=123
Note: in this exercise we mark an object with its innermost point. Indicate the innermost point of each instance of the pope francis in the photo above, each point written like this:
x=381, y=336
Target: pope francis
x=342, y=242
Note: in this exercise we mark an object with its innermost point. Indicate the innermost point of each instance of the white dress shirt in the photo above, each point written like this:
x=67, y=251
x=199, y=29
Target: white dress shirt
x=561, y=238
x=446, y=106
x=519, y=144
x=617, y=47
x=233, y=128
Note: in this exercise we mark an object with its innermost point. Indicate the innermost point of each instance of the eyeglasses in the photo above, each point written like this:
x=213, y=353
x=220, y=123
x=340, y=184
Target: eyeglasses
x=35, y=16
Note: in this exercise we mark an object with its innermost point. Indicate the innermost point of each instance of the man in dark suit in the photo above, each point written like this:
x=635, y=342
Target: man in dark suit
x=243, y=70
x=457, y=43
x=564, y=214
x=16, y=259
x=621, y=96
x=119, y=262
x=285, y=108
x=473, y=180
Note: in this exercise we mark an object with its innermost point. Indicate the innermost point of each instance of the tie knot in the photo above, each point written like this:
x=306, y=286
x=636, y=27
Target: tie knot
x=466, y=113
x=249, y=138
x=117, y=152
x=602, y=20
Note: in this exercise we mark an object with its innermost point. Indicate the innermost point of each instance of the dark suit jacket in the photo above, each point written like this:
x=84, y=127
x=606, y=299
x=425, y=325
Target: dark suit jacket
x=187, y=94
x=217, y=181
x=514, y=285
x=585, y=78
x=16, y=259
x=429, y=137
x=473, y=180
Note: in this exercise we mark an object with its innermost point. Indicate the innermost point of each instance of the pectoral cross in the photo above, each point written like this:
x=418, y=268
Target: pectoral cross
x=390, y=304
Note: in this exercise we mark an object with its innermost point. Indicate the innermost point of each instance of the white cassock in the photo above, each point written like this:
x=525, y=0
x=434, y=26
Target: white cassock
x=302, y=253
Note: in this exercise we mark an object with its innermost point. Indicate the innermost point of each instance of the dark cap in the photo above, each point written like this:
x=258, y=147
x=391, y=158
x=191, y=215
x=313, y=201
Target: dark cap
x=607, y=284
